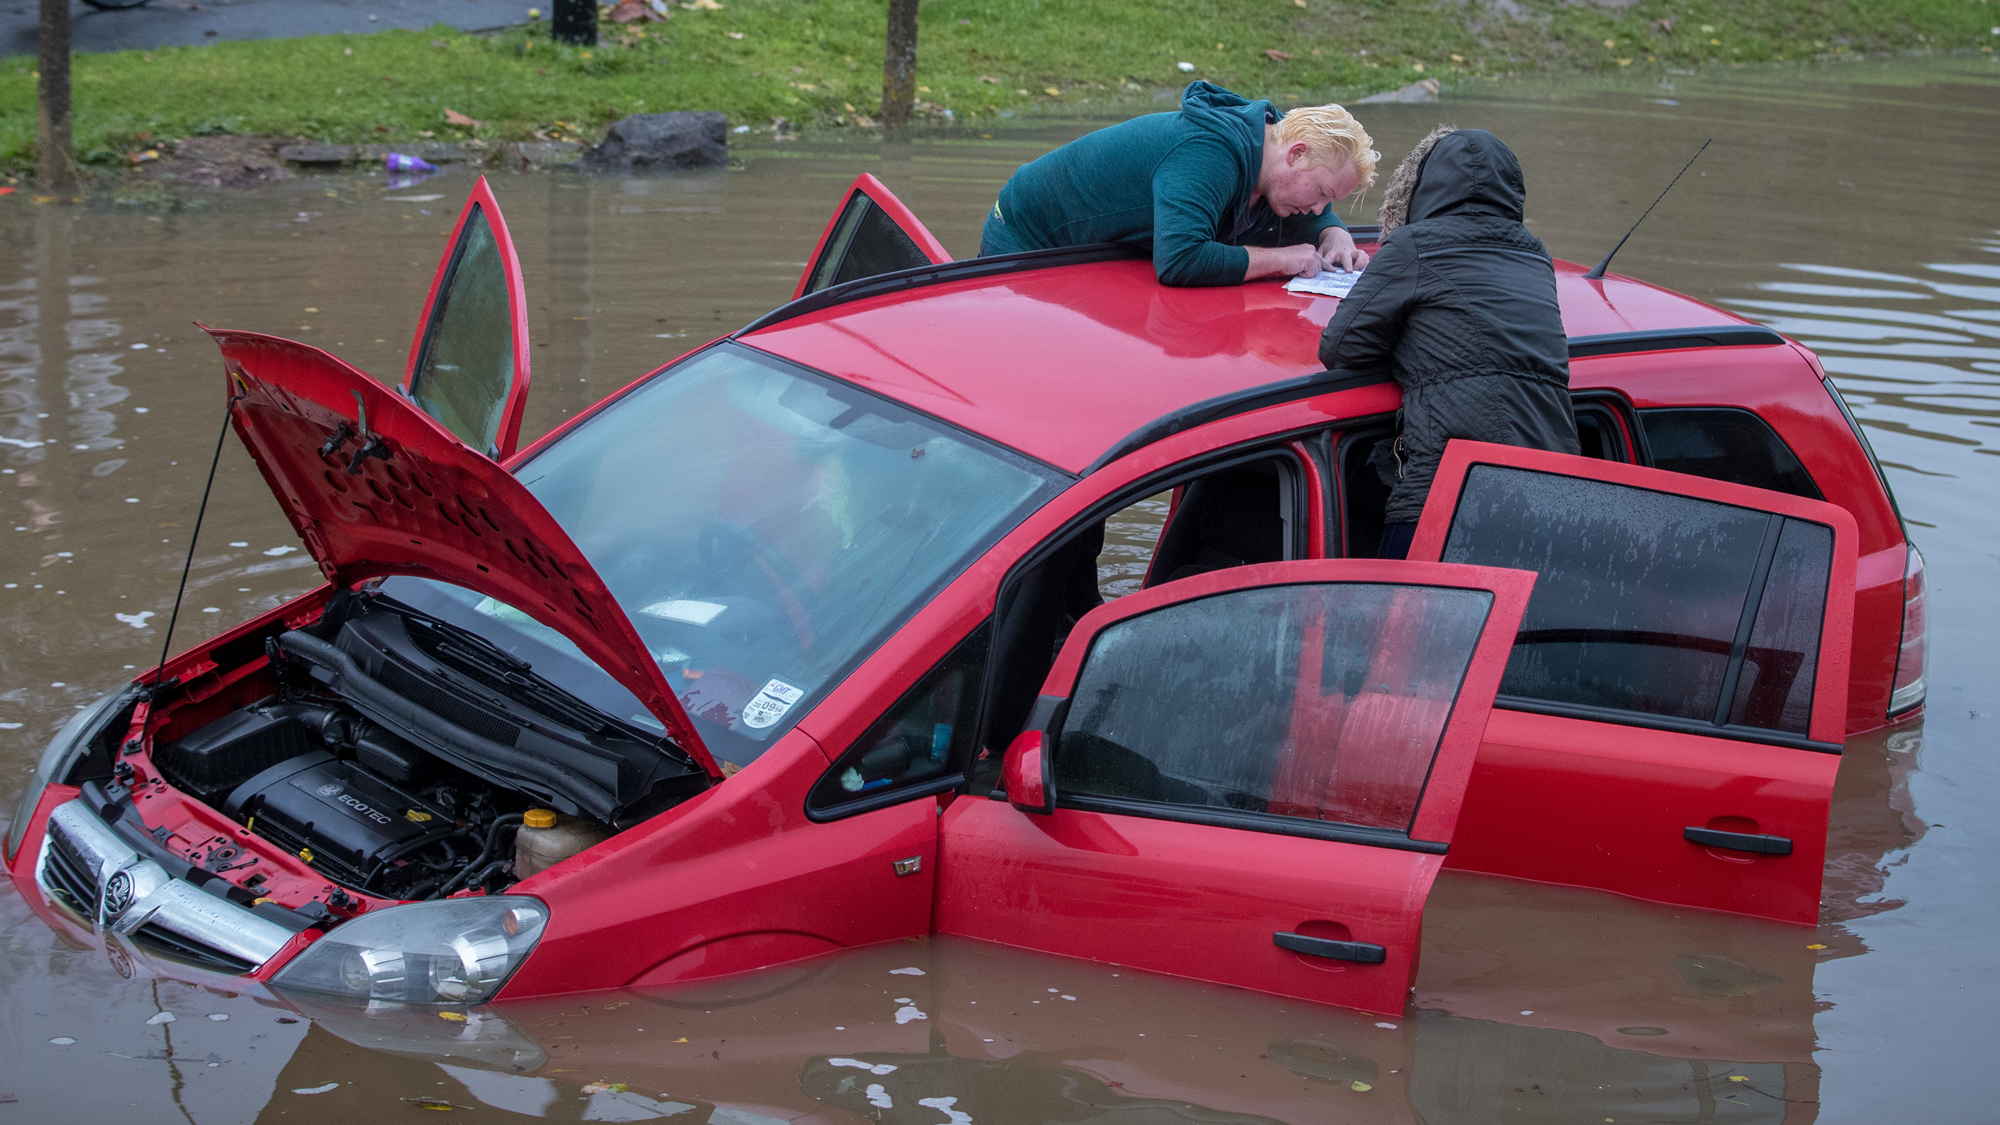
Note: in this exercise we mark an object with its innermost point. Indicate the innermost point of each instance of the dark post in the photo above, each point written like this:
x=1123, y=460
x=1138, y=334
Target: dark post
x=899, y=63
x=54, y=166
x=571, y=21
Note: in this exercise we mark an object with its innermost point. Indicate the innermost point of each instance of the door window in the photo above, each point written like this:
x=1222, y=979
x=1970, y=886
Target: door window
x=1652, y=603
x=1723, y=443
x=1315, y=702
x=921, y=745
x=1235, y=514
x=465, y=372
x=864, y=243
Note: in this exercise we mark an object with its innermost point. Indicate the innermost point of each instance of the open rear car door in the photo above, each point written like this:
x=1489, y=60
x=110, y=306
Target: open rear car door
x=469, y=363
x=1672, y=714
x=1250, y=776
x=871, y=232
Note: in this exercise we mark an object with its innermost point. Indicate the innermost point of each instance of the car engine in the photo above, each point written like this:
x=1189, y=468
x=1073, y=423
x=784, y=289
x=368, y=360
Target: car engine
x=398, y=754
x=367, y=809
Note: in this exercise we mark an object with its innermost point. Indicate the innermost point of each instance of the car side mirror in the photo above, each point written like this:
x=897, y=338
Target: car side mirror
x=1024, y=774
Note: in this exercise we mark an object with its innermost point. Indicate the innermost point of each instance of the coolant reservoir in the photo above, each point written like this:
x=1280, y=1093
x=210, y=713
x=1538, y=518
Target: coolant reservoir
x=546, y=839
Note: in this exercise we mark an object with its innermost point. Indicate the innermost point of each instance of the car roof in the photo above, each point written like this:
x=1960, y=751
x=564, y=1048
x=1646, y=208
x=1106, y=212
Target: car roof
x=1062, y=362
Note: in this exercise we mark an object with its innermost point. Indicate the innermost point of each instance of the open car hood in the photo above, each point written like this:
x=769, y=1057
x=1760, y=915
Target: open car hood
x=375, y=487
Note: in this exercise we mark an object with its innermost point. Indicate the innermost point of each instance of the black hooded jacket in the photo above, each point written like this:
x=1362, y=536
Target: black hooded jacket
x=1459, y=305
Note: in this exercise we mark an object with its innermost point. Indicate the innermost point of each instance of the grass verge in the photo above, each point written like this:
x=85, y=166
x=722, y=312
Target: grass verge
x=818, y=62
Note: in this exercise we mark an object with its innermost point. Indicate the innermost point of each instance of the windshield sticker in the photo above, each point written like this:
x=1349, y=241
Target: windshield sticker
x=771, y=704
x=691, y=612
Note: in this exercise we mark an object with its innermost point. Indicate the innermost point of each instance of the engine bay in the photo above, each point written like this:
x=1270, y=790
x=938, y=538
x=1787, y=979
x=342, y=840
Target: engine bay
x=397, y=756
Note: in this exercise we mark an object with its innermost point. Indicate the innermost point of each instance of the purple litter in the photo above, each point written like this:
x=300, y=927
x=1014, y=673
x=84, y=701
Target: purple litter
x=397, y=162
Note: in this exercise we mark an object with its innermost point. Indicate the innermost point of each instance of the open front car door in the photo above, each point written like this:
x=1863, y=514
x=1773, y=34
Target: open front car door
x=871, y=232
x=469, y=363
x=1671, y=718
x=1250, y=776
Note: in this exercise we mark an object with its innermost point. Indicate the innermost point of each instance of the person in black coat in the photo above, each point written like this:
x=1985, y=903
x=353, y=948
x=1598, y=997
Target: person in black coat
x=1459, y=304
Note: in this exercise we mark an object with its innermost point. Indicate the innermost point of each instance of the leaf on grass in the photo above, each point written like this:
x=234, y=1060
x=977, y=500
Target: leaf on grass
x=989, y=78
x=1276, y=55
x=453, y=117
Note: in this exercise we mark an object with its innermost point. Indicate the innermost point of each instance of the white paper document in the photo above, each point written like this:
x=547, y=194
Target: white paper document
x=1331, y=283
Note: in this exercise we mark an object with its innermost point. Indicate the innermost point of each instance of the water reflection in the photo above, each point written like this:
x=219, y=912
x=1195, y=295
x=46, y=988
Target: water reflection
x=925, y=1031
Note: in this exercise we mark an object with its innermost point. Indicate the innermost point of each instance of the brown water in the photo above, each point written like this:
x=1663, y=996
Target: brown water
x=1851, y=207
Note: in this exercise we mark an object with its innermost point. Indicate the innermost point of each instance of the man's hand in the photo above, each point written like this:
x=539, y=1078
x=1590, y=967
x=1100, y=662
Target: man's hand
x=1337, y=247
x=1301, y=260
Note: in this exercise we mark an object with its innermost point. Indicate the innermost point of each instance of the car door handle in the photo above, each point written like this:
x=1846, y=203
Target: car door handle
x=1738, y=841
x=1366, y=952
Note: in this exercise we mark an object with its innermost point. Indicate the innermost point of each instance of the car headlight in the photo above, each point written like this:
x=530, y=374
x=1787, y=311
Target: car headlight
x=59, y=757
x=457, y=951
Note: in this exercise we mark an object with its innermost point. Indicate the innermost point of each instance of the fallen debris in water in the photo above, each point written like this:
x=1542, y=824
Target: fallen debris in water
x=1421, y=92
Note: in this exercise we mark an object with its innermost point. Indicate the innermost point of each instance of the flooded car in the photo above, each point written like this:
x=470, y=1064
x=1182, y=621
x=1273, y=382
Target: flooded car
x=804, y=642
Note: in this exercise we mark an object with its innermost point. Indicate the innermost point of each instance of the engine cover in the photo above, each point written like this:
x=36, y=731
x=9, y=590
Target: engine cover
x=337, y=816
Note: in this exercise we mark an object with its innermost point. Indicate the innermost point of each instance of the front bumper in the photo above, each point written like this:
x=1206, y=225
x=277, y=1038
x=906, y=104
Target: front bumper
x=87, y=870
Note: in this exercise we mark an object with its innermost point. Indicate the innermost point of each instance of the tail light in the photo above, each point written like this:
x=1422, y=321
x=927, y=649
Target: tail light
x=1910, y=657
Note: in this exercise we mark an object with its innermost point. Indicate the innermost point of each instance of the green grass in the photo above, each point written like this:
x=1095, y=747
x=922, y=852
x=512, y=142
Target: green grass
x=818, y=62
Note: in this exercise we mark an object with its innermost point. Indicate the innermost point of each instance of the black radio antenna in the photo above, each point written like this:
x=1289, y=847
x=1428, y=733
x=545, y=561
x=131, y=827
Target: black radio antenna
x=1597, y=272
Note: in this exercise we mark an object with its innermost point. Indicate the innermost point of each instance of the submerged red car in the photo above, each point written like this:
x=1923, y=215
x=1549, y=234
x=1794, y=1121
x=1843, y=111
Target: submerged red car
x=810, y=639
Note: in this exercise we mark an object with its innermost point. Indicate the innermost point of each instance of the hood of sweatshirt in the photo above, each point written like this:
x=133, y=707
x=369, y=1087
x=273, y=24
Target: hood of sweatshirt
x=1235, y=119
x=1469, y=172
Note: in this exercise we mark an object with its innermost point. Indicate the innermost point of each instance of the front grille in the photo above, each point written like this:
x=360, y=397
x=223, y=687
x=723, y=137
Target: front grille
x=69, y=879
x=162, y=942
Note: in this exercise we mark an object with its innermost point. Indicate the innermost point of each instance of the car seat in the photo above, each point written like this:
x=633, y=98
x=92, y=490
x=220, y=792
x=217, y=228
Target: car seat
x=1225, y=519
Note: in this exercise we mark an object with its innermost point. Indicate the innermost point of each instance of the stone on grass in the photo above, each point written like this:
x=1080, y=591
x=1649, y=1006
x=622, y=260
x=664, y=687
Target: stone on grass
x=1421, y=92
x=646, y=141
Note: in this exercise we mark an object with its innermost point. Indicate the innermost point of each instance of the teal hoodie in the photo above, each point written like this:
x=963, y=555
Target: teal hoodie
x=1178, y=184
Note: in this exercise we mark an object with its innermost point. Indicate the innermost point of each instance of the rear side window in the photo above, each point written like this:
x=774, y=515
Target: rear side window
x=1651, y=603
x=1725, y=444
x=1321, y=702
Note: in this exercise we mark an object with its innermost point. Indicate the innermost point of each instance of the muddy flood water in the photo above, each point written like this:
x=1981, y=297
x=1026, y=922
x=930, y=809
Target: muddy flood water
x=1851, y=207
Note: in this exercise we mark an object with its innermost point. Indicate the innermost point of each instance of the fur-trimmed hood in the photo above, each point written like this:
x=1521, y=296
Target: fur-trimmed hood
x=1454, y=171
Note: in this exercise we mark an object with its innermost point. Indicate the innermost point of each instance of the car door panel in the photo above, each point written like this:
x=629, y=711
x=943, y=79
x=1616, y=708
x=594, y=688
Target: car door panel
x=1604, y=833
x=1670, y=722
x=870, y=233
x=1188, y=899
x=1278, y=864
x=468, y=365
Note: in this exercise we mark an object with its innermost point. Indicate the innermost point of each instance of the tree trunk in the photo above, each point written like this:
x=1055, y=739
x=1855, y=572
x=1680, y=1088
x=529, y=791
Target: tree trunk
x=54, y=166
x=899, y=64
x=570, y=21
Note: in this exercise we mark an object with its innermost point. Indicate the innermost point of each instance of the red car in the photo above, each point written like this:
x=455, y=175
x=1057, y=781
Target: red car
x=720, y=674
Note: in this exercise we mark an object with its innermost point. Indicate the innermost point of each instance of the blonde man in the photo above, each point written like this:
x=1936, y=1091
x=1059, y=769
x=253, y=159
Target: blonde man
x=1223, y=191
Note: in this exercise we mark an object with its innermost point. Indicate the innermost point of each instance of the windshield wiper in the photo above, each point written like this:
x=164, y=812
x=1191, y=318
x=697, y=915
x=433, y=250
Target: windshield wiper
x=496, y=668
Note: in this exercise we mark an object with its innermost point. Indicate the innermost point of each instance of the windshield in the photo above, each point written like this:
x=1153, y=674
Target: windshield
x=764, y=527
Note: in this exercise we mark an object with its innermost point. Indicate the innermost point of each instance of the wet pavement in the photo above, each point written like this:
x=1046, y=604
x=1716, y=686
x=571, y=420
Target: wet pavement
x=1850, y=207
x=180, y=23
